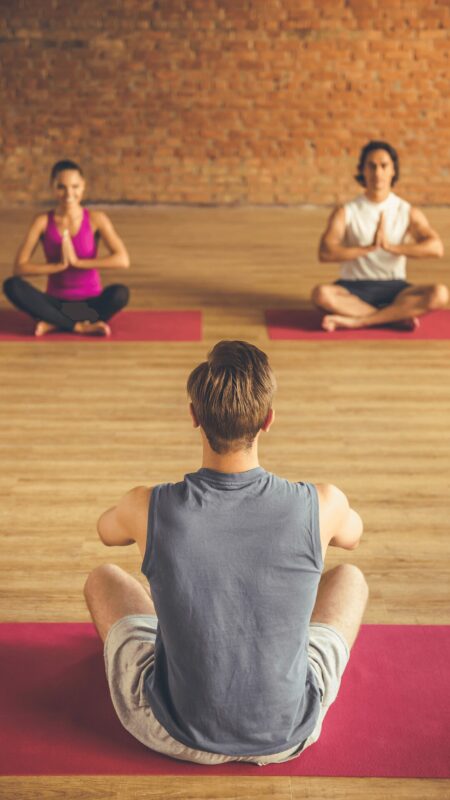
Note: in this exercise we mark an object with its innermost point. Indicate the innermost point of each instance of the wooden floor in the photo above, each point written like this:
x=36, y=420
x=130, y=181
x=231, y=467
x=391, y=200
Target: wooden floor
x=80, y=424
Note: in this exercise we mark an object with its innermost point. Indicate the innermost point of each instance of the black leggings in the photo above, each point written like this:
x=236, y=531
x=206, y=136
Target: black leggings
x=62, y=313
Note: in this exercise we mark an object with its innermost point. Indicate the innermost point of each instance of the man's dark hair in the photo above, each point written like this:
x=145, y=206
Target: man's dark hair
x=60, y=166
x=375, y=145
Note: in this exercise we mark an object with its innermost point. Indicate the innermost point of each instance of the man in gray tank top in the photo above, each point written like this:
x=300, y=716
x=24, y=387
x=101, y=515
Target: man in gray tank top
x=371, y=237
x=238, y=651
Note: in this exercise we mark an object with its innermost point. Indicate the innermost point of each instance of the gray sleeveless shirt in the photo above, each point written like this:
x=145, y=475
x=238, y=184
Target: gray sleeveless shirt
x=234, y=561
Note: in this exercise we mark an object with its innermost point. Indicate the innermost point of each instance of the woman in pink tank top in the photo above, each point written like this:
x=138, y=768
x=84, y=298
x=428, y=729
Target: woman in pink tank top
x=74, y=300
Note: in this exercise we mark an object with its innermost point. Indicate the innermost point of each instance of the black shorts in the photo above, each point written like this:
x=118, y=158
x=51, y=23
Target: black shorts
x=376, y=293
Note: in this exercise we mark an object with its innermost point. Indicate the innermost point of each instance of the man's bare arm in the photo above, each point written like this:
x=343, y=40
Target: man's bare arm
x=340, y=525
x=126, y=522
x=427, y=243
x=331, y=247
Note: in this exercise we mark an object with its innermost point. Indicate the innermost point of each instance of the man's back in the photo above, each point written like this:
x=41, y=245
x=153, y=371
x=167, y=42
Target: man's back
x=234, y=562
x=239, y=651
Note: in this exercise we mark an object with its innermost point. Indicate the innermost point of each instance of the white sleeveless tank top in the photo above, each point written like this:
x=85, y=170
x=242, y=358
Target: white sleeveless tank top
x=361, y=219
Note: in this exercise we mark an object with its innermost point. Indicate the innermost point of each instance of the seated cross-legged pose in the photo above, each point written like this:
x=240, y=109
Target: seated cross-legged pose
x=238, y=650
x=74, y=300
x=371, y=237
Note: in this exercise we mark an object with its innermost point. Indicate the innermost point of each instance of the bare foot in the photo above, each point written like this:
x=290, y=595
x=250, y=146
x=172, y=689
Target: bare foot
x=406, y=324
x=332, y=322
x=44, y=327
x=92, y=328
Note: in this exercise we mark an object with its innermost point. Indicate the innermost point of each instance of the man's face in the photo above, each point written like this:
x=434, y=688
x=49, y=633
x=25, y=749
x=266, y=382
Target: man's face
x=378, y=171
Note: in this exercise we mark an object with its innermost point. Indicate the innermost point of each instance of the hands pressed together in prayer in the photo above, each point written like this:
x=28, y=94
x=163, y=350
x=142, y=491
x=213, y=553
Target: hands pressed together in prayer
x=69, y=256
x=380, y=238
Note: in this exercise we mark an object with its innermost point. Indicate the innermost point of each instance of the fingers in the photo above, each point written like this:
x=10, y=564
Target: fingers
x=67, y=249
x=64, y=254
x=380, y=233
x=377, y=234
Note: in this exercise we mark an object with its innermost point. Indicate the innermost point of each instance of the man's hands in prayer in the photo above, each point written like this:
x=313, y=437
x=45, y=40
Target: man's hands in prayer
x=381, y=239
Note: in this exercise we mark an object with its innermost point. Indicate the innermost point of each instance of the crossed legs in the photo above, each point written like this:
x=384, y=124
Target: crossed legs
x=88, y=317
x=349, y=311
x=111, y=593
x=341, y=600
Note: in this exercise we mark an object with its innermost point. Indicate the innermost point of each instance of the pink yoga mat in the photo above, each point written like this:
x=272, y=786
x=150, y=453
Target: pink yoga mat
x=305, y=324
x=128, y=326
x=391, y=718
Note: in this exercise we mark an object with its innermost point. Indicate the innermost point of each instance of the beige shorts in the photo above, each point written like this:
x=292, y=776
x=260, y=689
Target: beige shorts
x=129, y=659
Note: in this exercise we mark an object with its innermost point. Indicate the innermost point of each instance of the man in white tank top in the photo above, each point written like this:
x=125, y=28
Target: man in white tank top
x=371, y=237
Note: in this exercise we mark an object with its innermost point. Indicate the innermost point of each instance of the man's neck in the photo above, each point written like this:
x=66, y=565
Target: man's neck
x=377, y=197
x=241, y=461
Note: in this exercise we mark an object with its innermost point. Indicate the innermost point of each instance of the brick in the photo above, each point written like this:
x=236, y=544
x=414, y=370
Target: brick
x=214, y=101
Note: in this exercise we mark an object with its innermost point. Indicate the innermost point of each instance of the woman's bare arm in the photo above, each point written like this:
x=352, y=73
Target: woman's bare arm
x=22, y=263
x=118, y=257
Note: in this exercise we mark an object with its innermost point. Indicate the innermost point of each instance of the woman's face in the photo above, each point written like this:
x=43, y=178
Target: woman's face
x=69, y=188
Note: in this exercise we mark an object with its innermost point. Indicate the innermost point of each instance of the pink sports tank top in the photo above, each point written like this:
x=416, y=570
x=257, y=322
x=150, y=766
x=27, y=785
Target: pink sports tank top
x=72, y=283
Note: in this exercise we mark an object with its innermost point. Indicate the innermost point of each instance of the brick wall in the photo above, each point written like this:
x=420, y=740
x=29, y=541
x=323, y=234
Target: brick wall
x=221, y=101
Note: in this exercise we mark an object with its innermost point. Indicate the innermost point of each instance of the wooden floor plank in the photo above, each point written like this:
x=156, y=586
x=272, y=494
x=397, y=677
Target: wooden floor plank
x=219, y=788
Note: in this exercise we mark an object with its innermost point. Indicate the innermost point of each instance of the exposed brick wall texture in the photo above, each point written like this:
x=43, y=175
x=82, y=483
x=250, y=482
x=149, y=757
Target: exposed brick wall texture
x=220, y=101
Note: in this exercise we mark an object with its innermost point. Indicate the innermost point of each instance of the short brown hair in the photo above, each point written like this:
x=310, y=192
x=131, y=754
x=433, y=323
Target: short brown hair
x=231, y=394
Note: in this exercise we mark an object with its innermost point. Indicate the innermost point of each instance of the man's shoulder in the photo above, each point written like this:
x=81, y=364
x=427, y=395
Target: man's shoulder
x=294, y=488
x=355, y=205
x=398, y=202
x=357, y=200
x=137, y=499
x=352, y=208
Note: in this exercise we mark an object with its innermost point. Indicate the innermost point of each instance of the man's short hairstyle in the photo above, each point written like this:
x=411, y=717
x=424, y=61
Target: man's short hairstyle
x=61, y=166
x=231, y=394
x=376, y=145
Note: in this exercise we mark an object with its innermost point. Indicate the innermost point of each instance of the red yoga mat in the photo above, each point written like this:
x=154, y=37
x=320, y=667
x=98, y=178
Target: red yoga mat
x=391, y=718
x=128, y=326
x=306, y=324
